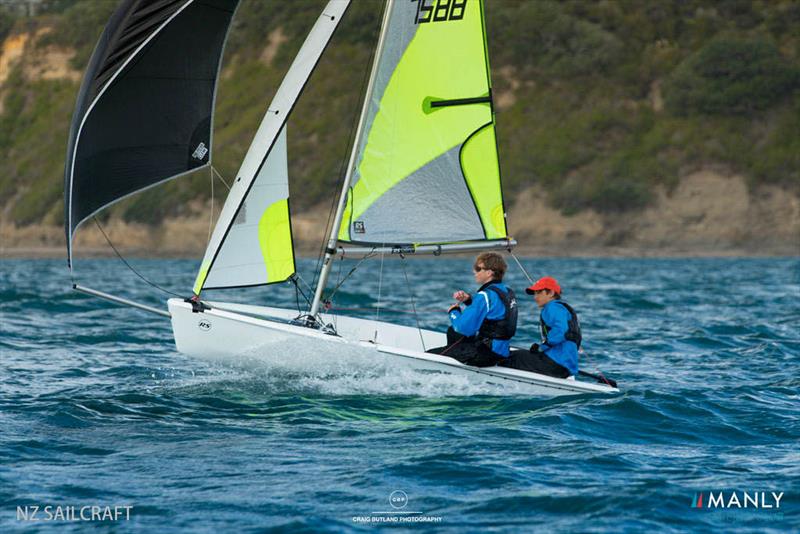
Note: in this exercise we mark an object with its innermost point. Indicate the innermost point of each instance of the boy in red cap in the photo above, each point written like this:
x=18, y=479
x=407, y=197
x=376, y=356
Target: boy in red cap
x=557, y=354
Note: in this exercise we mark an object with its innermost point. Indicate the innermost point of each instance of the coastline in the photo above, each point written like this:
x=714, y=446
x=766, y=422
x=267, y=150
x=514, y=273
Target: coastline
x=708, y=214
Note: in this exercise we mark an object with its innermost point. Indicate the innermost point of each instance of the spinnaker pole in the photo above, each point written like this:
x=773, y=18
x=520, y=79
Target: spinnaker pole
x=330, y=250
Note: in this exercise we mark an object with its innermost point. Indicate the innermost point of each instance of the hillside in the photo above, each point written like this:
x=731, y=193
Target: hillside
x=626, y=124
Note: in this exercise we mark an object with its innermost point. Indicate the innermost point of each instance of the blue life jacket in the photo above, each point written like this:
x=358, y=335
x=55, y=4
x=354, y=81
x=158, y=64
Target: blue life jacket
x=506, y=327
x=492, y=320
x=561, y=348
x=573, y=333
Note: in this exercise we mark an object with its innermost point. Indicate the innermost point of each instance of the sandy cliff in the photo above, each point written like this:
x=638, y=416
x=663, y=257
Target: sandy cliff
x=708, y=214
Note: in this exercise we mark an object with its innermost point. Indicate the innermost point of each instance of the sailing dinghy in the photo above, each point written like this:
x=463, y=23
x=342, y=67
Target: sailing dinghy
x=423, y=175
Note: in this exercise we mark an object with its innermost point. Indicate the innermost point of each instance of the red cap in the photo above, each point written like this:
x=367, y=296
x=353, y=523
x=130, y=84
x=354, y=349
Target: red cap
x=544, y=283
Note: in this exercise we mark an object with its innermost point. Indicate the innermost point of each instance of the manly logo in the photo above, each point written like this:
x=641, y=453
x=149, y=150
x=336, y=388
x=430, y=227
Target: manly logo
x=204, y=325
x=738, y=499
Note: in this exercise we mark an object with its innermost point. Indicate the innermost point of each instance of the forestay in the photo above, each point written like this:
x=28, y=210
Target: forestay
x=427, y=153
x=252, y=241
x=144, y=111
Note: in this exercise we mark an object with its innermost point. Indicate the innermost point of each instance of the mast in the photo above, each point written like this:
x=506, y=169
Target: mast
x=330, y=249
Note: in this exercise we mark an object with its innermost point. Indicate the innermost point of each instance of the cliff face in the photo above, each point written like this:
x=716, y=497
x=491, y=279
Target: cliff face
x=603, y=148
x=40, y=62
x=708, y=213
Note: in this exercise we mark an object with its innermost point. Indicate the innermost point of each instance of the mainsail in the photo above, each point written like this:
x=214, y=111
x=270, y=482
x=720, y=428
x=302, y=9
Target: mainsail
x=145, y=108
x=427, y=152
x=252, y=241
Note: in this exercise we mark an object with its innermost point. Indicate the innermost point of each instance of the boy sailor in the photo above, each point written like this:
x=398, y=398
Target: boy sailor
x=557, y=354
x=480, y=332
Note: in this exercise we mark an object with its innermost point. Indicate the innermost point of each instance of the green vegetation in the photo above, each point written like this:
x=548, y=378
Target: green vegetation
x=730, y=75
x=6, y=23
x=78, y=26
x=32, y=144
x=603, y=101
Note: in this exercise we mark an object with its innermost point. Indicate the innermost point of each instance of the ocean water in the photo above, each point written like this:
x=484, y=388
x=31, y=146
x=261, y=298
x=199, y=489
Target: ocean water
x=97, y=408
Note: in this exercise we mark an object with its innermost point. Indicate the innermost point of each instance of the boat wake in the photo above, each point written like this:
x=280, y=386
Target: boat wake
x=299, y=366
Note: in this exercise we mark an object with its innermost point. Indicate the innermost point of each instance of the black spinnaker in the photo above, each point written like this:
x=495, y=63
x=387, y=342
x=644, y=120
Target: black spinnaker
x=144, y=110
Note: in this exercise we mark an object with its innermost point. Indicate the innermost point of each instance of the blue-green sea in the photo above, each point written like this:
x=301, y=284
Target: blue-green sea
x=98, y=409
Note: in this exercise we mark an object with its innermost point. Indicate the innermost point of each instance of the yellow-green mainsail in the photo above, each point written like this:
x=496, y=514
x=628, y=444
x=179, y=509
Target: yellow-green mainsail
x=426, y=169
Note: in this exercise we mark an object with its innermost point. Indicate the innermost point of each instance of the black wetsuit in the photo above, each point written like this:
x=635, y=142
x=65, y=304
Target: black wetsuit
x=537, y=362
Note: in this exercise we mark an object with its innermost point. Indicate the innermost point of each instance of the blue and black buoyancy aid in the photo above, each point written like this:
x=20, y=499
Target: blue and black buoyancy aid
x=573, y=326
x=506, y=327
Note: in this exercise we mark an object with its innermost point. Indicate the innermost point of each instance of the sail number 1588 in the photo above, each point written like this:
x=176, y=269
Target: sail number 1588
x=439, y=10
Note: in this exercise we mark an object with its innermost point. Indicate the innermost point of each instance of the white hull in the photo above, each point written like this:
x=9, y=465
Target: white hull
x=232, y=331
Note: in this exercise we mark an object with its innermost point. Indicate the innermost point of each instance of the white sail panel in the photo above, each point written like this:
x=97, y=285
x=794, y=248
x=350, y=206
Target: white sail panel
x=258, y=247
x=265, y=141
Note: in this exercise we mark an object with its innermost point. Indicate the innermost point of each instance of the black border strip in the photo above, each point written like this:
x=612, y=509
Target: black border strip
x=494, y=121
x=464, y=175
x=462, y=101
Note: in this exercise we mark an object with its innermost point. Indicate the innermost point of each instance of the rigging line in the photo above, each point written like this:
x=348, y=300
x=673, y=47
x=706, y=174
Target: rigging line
x=380, y=285
x=297, y=287
x=413, y=303
x=357, y=265
x=338, y=277
x=129, y=265
x=221, y=179
x=297, y=298
x=310, y=289
x=521, y=267
x=446, y=350
x=338, y=283
x=211, y=211
x=297, y=275
x=297, y=293
x=350, y=140
x=305, y=297
x=437, y=311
